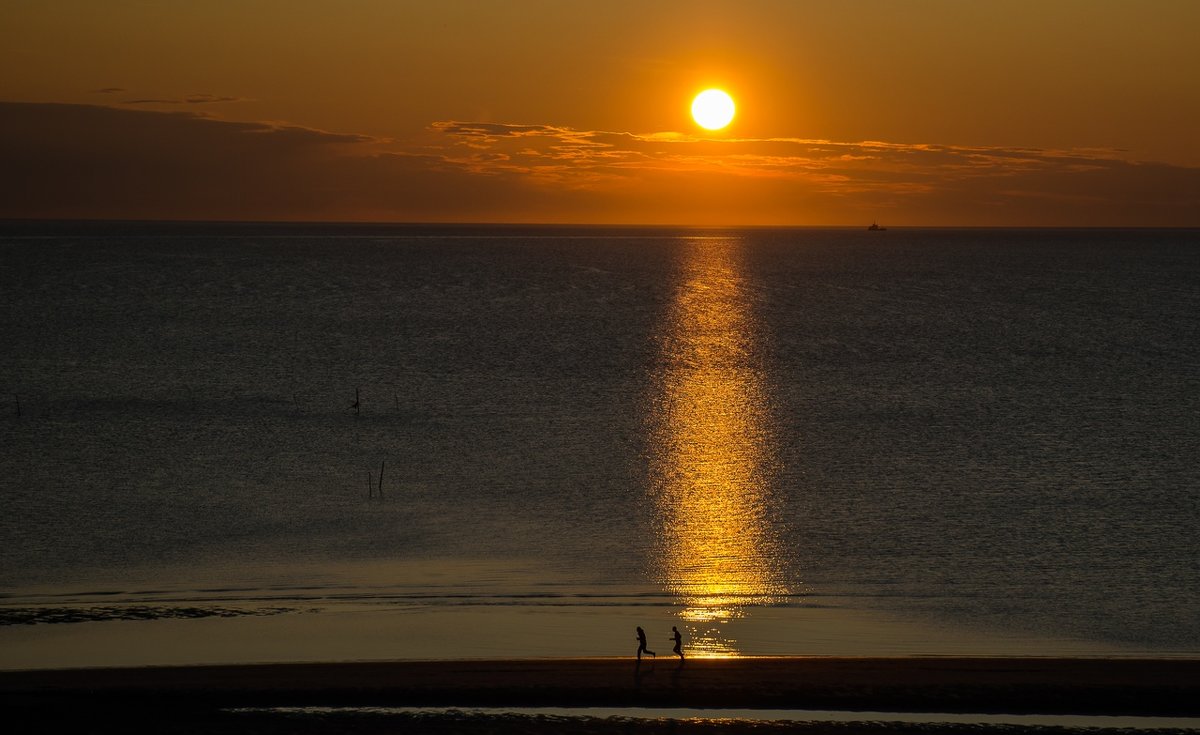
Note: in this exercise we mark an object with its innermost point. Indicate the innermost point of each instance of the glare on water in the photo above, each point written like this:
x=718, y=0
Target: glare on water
x=713, y=453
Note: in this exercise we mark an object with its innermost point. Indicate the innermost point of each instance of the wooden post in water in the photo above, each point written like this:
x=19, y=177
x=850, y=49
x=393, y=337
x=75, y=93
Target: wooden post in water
x=356, y=404
x=370, y=484
x=381, y=463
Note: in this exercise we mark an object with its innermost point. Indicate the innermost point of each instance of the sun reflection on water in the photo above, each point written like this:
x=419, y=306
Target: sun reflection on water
x=713, y=454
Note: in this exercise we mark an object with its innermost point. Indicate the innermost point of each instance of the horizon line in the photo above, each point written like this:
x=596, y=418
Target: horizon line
x=4, y=221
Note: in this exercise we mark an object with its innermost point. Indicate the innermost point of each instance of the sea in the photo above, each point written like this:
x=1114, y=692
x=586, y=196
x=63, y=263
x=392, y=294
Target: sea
x=244, y=441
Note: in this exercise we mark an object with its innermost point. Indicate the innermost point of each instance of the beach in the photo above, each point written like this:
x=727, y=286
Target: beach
x=176, y=698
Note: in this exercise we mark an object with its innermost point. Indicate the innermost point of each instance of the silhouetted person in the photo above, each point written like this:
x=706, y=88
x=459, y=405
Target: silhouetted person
x=678, y=642
x=642, y=644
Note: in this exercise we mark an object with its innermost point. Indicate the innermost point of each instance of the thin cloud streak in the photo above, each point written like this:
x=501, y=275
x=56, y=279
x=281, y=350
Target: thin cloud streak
x=191, y=99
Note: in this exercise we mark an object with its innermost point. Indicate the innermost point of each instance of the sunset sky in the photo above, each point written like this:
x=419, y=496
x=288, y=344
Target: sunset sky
x=935, y=112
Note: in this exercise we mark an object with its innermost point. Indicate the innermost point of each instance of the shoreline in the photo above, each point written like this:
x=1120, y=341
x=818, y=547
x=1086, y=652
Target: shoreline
x=388, y=630
x=1092, y=686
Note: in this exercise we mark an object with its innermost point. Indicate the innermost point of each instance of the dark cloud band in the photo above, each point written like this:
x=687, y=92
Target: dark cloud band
x=116, y=162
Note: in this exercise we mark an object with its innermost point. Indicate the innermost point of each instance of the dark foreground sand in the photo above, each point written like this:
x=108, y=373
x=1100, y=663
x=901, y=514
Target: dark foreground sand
x=198, y=699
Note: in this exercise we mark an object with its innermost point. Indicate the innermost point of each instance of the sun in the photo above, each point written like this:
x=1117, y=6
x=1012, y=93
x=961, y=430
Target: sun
x=712, y=109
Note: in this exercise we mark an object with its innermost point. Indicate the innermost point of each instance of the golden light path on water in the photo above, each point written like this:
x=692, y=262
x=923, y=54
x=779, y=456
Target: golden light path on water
x=713, y=453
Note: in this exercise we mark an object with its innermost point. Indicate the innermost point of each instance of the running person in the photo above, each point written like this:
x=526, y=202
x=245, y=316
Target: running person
x=678, y=642
x=641, y=636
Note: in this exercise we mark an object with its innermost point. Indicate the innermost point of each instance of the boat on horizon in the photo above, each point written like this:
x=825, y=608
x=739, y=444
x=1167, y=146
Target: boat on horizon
x=875, y=227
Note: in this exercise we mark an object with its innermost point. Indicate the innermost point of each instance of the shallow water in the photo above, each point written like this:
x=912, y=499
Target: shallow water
x=990, y=431
x=747, y=717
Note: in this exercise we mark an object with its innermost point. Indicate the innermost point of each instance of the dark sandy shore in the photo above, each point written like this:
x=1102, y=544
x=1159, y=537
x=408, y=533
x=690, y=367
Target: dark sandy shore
x=193, y=699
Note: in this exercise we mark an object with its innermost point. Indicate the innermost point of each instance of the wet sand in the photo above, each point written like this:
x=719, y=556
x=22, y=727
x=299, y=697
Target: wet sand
x=176, y=698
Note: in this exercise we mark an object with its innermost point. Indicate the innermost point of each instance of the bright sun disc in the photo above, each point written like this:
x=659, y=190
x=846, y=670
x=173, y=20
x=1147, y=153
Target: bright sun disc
x=712, y=109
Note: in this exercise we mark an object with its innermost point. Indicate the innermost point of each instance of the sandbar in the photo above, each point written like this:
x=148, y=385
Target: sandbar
x=1145, y=687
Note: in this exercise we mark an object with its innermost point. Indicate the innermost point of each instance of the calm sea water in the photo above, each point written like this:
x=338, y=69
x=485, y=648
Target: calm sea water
x=993, y=428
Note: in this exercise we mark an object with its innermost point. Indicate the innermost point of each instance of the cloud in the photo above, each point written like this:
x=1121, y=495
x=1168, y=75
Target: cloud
x=539, y=149
x=959, y=184
x=117, y=162
x=492, y=131
x=109, y=90
x=89, y=161
x=93, y=161
x=191, y=99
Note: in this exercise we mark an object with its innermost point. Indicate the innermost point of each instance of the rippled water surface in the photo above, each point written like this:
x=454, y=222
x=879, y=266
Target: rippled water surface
x=993, y=428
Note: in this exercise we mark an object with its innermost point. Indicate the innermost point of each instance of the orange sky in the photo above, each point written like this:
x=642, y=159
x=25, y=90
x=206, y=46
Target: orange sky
x=921, y=113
